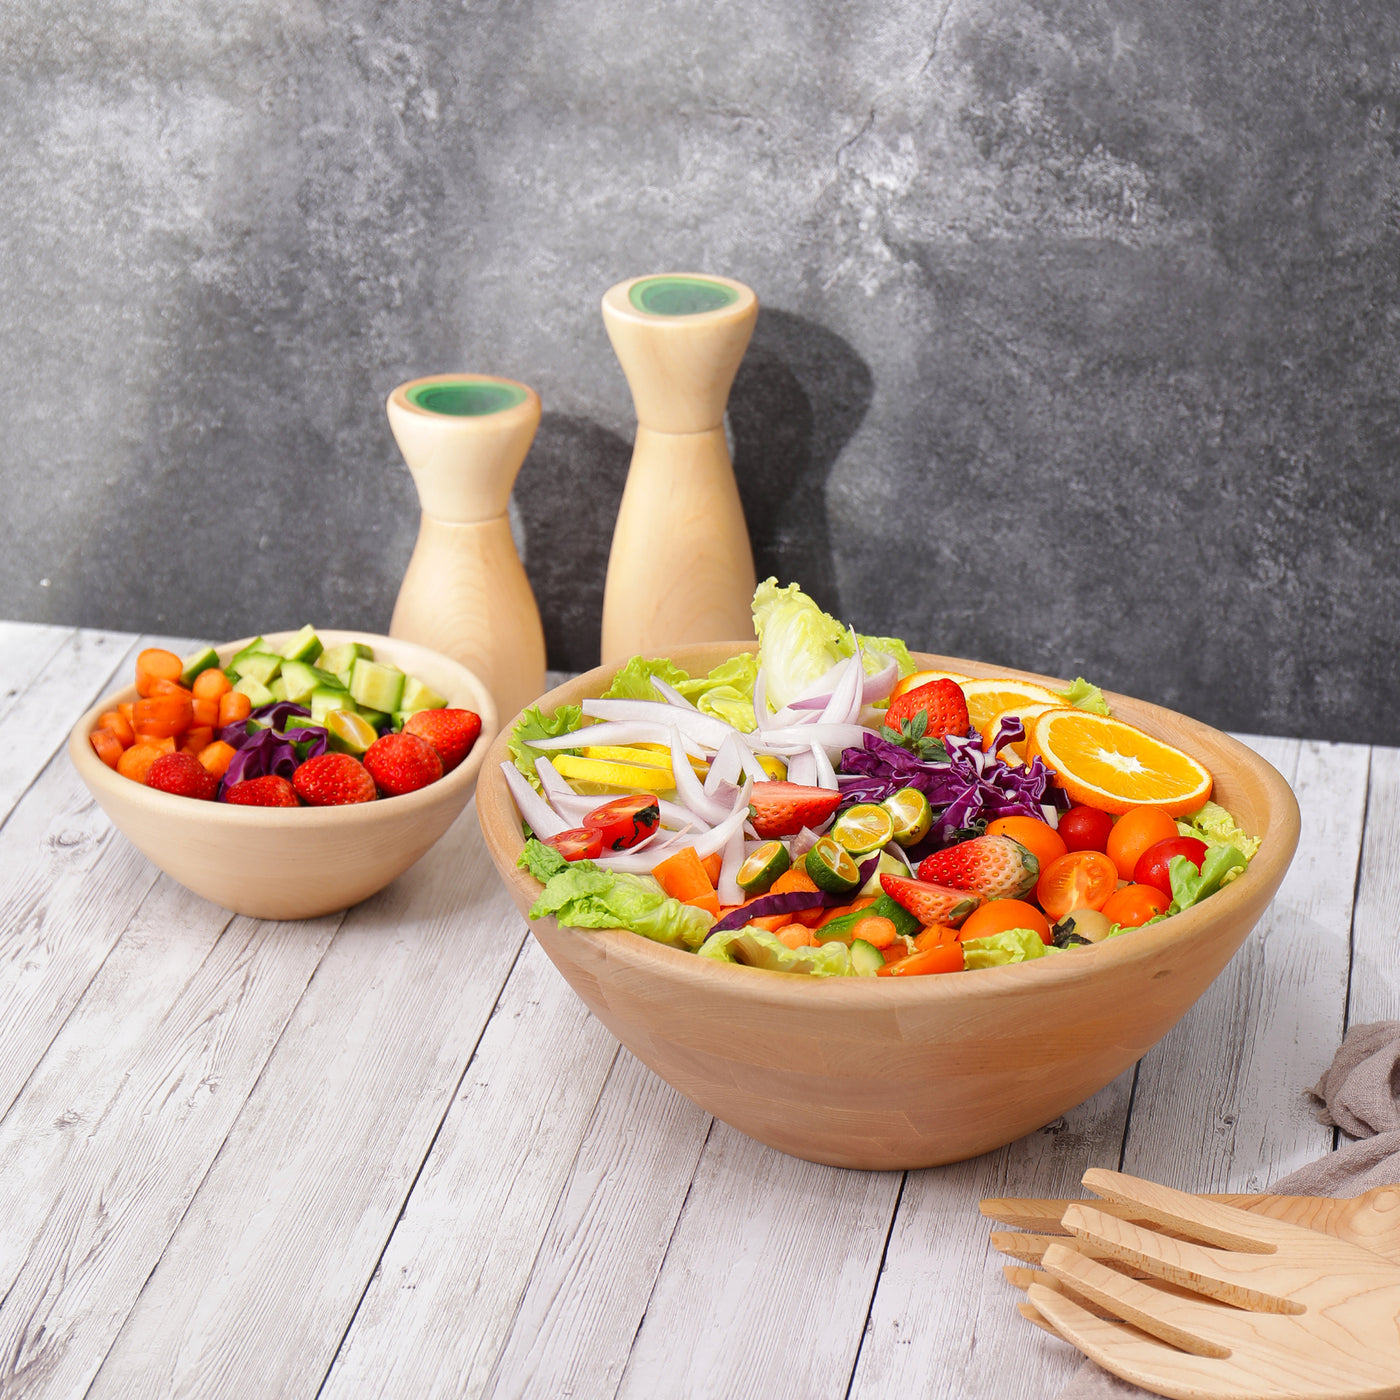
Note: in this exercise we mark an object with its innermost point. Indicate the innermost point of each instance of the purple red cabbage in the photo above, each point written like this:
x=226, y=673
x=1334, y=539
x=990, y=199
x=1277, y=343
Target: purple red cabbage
x=970, y=787
x=793, y=902
x=260, y=751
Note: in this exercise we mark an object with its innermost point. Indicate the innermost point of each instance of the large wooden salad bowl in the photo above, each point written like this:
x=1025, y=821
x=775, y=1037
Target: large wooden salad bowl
x=913, y=1072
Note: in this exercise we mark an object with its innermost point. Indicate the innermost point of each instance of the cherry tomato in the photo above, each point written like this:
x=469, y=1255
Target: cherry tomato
x=998, y=915
x=1154, y=864
x=1085, y=829
x=578, y=843
x=1134, y=905
x=1079, y=880
x=943, y=957
x=1133, y=832
x=625, y=820
x=1038, y=837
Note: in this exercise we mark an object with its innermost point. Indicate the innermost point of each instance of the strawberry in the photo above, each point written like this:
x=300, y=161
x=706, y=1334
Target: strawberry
x=995, y=866
x=184, y=775
x=333, y=780
x=922, y=716
x=451, y=732
x=783, y=809
x=269, y=791
x=401, y=763
x=930, y=903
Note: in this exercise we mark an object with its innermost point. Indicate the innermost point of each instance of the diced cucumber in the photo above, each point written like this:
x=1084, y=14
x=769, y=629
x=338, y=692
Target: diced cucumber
x=300, y=679
x=374, y=686
x=419, y=696
x=255, y=690
x=381, y=721
x=202, y=660
x=866, y=958
x=260, y=665
x=904, y=922
x=277, y=688
x=324, y=699
x=304, y=646
x=340, y=660
x=349, y=733
x=886, y=865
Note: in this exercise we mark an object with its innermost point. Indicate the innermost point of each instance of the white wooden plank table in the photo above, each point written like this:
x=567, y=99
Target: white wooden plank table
x=388, y=1153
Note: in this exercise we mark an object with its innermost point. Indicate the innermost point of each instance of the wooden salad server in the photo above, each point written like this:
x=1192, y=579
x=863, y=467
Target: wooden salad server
x=681, y=568
x=464, y=437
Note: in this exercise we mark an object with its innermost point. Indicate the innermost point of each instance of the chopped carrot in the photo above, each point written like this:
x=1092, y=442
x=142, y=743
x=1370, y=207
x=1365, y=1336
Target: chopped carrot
x=155, y=664
x=795, y=936
x=210, y=684
x=128, y=713
x=136, y=761
x=708, y=902
x=117, y=723
x=161, y=686
x=162, y=715
x=234, y=706
x=837, y=910
x=196, y=739
x=876, y=930
x=771, y=922
x=683, y=877
x=107, y=746
x=216, y=757
x=946, y=957
x=793, y=879
x=902, y=947
x=712, y=863
x=933, y=935
x=205, y=711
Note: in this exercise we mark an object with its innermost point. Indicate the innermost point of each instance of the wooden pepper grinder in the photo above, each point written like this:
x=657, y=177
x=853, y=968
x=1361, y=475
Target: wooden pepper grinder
x=681, y=567
x=464, y=437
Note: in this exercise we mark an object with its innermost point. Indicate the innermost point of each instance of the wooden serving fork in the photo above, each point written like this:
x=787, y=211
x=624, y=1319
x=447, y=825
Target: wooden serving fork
x=1248, y=1307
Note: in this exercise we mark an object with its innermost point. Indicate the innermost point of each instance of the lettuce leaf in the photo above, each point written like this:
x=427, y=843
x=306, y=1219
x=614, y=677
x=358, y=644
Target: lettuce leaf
x=1190, y=886
x=535, y=725
x=1216, y=827
x=1011, y=946
x=633, y=681
x=756, y=947
x=878, y=652
x=541, y=861
x=727, y=692
x=1084, y=696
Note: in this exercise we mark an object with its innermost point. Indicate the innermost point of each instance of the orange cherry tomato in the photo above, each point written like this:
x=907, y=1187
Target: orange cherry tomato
x=1133, y=833
x=1079, y=880
x=942, y=957
x=1039, y=838
x=1134, y=905
x=998, y=915
x=929, y=937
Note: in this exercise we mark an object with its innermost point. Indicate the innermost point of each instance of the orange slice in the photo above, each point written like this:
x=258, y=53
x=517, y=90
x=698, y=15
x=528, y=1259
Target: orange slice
x=924, y=677
x=1113, y=766
x=988, y=698
x=1025, y=713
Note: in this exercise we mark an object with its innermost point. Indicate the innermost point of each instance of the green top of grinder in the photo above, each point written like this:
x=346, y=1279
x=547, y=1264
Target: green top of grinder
x=466, y=398
x=680, y=296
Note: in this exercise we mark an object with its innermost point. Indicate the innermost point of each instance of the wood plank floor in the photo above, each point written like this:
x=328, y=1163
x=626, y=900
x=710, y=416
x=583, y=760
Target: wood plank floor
x=388, y=1153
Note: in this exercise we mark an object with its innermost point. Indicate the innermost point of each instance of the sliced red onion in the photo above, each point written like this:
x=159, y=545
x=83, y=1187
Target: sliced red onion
x=802, y=770
x=826, y=774
x=673, y=696
x=1052, y=815
x=621, y=732
x=715, y=839
x=554, y=783
x=840, y=709
x=798, y=737
x=823, y=685
x=543, y=820
x=635, y=861
x=688, y=788
x=880, y=684
x=725, y=765
x=761, y=713
x=704, y=729
x=728, y=887
x=803, y=842
x=817, y=702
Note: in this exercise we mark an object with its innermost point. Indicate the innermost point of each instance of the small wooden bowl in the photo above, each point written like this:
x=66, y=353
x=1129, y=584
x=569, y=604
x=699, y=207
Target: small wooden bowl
x=279, y=863
x=883, y=1074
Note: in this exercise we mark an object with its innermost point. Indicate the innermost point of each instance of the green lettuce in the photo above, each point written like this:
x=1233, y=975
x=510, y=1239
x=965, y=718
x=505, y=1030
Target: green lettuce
x=633, y=681
x=534, y=724
x=727, y=692
x=798, y=643
x=1011, y=946
x=1190, y=886
x=584, y=895
x=1084, y=696
x=1216, y=827
x=756, y=947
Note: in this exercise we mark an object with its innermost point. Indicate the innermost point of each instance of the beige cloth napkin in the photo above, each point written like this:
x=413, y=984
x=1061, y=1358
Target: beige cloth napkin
x=1360, y=1094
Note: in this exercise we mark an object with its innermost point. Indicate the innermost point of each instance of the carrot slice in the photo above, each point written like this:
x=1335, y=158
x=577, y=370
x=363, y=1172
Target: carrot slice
x=196, y=739
x=118, y=724
x=712, y=863
x=155, y=664
x=945, y=957
x=206, y=711
x=216, y=757
x=795, y=936
x=876, y=930
x=107, y=746
x=210, y=684
x=160, y=716
x=234, y=706
x=136, y=761
x=683, y=877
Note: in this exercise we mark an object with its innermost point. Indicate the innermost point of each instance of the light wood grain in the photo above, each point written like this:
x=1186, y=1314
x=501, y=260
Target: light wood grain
x=434, y=1319
x=1374, y=984
x=256, y=1288
x=150, y=1070
x=24, y=649
x=596, y=1269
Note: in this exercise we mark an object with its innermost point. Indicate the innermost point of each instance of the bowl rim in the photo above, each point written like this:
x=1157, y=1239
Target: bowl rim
x=1278, y=840
x=107, y=784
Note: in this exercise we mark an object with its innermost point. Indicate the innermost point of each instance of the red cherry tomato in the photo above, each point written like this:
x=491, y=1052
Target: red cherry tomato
x=578, y=843
x=1079, y=880
x=1085, y=829
x=625, y=820
x=1154, y=864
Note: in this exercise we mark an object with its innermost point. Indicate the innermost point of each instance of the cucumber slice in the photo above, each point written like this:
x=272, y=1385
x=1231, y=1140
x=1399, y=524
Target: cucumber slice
x=324, y=699
x=760, y=869
x=374, y=686
x=831, y=867
x=304, y=646
x=886, y=865
x=912, y=816
x=906, y=925
x=340, y=660
x=863, y=828
x=419, y=696
x=383, y=723
x=300, y=680
x=349, y=733
x=201, y=661
x=277, y=688
x=255, y=690
x=260, y=665
x=866, y=958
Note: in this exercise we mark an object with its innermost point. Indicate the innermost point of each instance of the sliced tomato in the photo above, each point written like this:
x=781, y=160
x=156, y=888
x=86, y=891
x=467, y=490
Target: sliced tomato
x=625, y=820
x=1079, y=880
x=578, y=843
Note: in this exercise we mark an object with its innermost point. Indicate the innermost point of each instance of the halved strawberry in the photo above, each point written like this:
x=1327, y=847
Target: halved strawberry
x=783, y=809
x=995, y=866
x=930, y=903
x=941, y=700
x=451, y=732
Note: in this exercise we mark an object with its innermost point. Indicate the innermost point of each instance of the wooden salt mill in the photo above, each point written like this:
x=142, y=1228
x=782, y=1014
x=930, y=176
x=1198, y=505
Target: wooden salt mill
x=464, y=437
x=681, y=567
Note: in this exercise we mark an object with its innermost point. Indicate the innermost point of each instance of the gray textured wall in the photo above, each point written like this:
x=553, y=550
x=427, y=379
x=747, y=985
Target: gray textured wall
x=1080, y=348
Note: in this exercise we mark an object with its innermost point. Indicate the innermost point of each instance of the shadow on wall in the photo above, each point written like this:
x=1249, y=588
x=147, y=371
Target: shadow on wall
x=798, y=398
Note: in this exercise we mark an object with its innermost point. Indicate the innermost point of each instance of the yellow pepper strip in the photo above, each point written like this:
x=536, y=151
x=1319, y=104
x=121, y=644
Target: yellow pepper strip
x=635, y=777
x=649, y=755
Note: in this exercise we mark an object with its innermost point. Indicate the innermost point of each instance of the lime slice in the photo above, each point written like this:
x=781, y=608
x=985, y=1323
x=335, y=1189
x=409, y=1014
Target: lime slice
x=831, y=867
x=863, y=828
x=911, y=814
x=764, y=866
x=349, y=733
